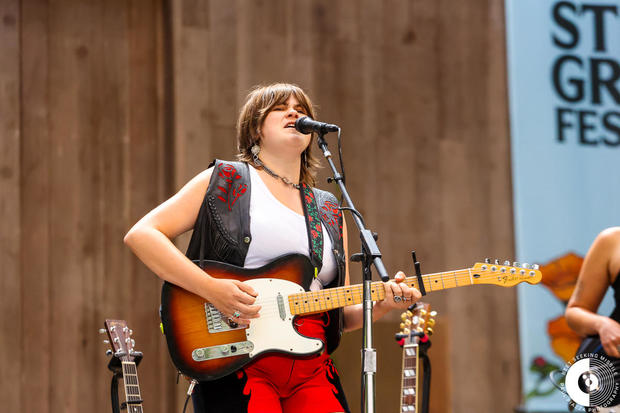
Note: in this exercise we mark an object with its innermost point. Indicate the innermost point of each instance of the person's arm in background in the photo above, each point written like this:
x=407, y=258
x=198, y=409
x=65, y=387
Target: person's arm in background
x=599, y=269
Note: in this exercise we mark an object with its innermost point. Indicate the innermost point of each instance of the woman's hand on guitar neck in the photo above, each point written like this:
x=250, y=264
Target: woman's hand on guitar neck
x=233, y=298
x=398, y=295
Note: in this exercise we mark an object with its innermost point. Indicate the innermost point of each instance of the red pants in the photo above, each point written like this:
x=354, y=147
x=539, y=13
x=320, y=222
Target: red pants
x=283, y=384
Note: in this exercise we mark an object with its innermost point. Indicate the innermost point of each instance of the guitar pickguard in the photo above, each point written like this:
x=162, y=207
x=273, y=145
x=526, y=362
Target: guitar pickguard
x=273, y=330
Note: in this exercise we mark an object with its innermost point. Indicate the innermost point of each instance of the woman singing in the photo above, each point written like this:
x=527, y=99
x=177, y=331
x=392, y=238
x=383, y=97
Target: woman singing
x=247, y=213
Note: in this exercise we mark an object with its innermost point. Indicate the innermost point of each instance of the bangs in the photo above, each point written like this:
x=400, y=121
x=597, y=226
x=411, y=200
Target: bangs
x=278, y=94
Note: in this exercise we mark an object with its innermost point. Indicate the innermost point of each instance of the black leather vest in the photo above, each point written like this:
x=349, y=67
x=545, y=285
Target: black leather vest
x=222, y=229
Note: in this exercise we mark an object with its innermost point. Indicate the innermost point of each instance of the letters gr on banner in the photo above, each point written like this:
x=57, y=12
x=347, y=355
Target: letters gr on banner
x=585, y=74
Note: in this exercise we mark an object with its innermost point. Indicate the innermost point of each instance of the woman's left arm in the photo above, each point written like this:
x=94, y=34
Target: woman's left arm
x=354, y=316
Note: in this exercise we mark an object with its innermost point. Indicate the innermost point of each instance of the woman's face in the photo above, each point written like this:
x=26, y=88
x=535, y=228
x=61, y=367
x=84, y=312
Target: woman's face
x=278, y=133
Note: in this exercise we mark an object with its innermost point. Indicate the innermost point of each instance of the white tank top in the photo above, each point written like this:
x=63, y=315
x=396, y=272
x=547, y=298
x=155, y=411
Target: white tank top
x=278, y=230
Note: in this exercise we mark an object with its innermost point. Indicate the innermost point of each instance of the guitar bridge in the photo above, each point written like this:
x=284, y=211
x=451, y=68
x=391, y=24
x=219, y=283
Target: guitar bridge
x=218, y=322
x=224, y=350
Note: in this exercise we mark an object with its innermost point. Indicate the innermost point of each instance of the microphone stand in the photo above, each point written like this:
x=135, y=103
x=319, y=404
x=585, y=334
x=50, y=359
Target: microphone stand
x=370, y=255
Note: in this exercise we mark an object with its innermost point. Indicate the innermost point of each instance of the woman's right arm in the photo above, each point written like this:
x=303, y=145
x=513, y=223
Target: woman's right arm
x=150, y=239
x=595, y=277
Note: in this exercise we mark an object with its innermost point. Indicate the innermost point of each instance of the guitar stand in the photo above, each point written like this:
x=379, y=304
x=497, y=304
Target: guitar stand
x=423, y=347
x=116, y=366
x=424, y=343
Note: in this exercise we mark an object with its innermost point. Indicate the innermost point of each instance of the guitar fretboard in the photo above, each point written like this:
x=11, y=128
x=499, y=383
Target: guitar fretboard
x=132, y=387
x=328, y=299
x=409, y=382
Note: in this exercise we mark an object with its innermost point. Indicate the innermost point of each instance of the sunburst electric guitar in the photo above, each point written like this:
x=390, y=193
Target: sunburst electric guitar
x=206, y=345
x=415, y=323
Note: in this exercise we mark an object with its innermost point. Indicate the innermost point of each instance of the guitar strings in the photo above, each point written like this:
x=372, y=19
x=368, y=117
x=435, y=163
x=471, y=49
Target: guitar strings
x=316, y=300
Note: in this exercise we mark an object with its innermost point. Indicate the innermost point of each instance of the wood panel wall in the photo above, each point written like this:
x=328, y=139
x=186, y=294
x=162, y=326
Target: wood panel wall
x=108, y=106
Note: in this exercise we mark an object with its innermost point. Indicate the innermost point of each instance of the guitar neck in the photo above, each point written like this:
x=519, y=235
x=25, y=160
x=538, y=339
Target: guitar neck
x=323, y=300
x=409, y=380
x=132, y=387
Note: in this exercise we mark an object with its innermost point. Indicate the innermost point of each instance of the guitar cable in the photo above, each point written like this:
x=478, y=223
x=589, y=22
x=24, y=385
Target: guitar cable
x=190, y=390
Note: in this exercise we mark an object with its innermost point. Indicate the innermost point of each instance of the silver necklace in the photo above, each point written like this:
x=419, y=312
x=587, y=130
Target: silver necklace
x=255, y=151
x=275, y=175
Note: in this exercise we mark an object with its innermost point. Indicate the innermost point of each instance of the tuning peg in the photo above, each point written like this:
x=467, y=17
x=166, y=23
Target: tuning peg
x=430, y=322
x=507, y=263
x=429, y=331
x=131, y=332
x=402, y=326
x=515, y=264
x=102, y=331
x=535, y=266
x=135, y=353
x=496, y=261
x=407, y=322
x=406, y=331
x=106, y=341
x=487, y=260
x=409, y=313
x=108, y=353
x=433, y=313
x=525, y=265
x=422, y=312
x=403, y=316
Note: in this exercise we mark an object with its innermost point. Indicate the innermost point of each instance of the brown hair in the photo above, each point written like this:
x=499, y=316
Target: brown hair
x=260, y=101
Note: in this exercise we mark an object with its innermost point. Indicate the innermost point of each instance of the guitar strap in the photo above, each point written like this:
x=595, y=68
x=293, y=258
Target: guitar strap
x=313, y=227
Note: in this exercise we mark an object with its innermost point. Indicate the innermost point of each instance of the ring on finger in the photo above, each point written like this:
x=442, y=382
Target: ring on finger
x=236, y=314
x=397, y=299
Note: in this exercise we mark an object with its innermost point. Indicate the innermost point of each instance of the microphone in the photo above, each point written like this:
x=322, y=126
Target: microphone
x=307, y=125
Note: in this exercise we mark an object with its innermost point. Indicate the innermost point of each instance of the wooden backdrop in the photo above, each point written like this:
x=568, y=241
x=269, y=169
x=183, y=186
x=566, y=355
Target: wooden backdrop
x=108, y=106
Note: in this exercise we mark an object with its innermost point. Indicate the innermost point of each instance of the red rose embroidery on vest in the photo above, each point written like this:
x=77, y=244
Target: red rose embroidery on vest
x=230, y=193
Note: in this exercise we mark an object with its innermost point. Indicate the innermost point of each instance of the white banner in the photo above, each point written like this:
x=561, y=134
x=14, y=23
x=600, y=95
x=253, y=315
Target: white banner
x=564, y=84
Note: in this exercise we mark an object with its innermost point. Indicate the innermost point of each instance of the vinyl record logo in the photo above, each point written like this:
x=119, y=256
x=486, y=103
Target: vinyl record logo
x=590, y=381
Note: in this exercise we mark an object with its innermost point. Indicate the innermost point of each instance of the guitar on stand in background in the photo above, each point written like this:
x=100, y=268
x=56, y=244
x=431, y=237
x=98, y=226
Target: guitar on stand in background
x=123, y=364
x=416, y=323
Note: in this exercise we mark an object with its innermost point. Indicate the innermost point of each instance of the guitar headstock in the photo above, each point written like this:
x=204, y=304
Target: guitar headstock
x=120, y=340
x=506, y=275
x=419, y=320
